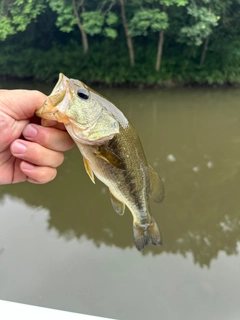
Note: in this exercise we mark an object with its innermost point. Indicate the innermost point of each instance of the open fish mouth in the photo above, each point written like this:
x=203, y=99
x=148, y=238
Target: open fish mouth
x=60, y=85
x=53, y=107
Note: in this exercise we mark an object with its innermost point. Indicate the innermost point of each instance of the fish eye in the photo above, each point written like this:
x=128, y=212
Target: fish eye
x=83, y=93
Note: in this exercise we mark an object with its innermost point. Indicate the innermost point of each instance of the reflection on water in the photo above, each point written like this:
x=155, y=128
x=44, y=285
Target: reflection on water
x=192, y=139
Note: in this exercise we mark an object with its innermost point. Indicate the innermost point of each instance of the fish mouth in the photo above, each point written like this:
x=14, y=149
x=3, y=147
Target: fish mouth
x=52, y=107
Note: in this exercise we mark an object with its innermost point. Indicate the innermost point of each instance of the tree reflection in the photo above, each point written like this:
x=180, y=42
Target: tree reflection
x=198, y=215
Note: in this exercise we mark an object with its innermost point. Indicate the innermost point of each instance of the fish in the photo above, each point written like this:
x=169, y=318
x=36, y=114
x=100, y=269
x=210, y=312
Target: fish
x=111, y=151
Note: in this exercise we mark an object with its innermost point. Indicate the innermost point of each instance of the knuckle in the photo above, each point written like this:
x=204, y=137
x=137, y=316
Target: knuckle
x=38, y=154
x=46, y=138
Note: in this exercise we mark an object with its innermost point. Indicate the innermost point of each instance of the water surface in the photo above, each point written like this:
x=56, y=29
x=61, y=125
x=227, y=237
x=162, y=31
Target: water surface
x=63, y=246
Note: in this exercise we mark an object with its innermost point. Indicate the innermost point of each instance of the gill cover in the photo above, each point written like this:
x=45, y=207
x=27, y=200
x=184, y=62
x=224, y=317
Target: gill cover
x=89, y=121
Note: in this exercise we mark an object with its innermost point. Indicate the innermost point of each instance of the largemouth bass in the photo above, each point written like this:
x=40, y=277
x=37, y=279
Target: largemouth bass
x=111, y=151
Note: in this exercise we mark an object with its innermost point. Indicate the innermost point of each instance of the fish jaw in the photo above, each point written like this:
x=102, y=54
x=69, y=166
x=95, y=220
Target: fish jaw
x=50, y=109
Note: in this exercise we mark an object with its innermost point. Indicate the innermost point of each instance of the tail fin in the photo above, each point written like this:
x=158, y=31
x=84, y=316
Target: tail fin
x=146, y=233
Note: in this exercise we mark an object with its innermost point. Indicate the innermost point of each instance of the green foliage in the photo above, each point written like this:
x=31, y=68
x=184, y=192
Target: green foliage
x=111, y=18
x=148, y=20
x=43, y=50
x=158, y=3
x=94, y=21
x=65, y=18
x=204, y=20
x=172, y=2
x=6, y=28
x=110, y=33
x=15, y=15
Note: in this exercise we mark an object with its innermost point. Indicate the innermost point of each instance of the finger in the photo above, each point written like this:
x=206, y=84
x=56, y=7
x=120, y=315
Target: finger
x=37, y=174
x=50, y=138
x=36, y=154
x=27, y=102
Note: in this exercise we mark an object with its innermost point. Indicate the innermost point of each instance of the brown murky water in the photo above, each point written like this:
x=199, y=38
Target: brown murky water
x=63, y=246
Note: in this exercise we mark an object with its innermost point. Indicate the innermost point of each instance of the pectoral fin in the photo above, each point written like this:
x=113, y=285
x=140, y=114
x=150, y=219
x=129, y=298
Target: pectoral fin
x=107, y=155
x=157, y=191
x=88, y=169
x=118, y=206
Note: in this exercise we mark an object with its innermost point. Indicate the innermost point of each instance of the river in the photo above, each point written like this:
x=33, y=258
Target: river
x=63, y=246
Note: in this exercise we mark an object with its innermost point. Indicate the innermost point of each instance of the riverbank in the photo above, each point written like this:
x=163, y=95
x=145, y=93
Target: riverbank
x=106, y=66
x=164, y=84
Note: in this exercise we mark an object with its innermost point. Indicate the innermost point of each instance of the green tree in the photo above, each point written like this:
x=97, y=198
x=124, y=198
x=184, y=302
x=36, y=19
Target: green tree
x=204, y=17
x=150, y=20
x=16, y=15
x=69, y=15
x=91, y=18
x=164, y=6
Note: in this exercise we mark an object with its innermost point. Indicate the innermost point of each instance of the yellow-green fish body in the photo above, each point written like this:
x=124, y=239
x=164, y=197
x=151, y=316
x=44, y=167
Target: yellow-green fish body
x=111, y=151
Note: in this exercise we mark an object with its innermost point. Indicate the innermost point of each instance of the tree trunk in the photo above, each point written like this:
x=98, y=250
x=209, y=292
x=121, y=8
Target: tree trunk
x=80, y=26
x=159, y=51
x=129, y=39
x=204, y=51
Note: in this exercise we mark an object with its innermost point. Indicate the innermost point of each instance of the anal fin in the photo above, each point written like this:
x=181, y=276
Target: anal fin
x=88, y=169
x=118, y=206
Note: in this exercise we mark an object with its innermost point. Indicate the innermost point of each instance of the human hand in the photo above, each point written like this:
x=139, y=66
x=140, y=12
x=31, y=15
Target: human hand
x=28, y=151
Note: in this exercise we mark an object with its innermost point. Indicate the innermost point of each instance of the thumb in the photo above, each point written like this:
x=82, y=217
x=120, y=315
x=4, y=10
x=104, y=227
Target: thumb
x=21, y=104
